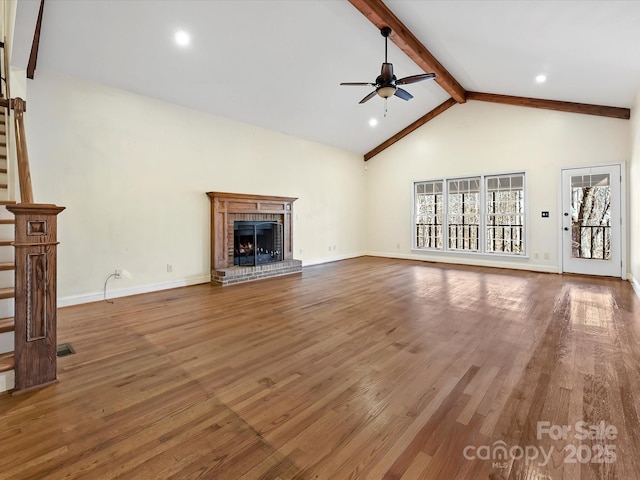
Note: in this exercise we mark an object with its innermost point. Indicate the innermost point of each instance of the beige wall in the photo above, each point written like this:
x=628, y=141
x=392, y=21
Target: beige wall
x=483, y=138
x=634, y=197
x=133, y=172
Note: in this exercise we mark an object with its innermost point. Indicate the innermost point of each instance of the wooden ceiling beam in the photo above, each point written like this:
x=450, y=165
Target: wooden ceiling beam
x=586, y=108
x=406, y=131
x=380, y=15
x=33, y=57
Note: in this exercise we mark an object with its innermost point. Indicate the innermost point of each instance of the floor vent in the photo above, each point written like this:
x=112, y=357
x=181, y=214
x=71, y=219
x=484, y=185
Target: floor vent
x=65, y=349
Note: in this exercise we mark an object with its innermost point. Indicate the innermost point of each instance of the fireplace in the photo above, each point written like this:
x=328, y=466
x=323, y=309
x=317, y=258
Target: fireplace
x=257, y=243
x=251, y=237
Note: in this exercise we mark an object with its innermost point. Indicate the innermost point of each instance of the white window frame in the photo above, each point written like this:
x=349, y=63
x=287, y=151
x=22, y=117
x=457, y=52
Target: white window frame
x=483, y=217
x=415, y=214
x=480, y=179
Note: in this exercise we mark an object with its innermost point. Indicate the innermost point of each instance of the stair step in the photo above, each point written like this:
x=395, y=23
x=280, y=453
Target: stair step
x=6, y=325
x=7, y=266
x=3, y=170
x=3, y=144
x=6, y=243
x=7, y=221
x=7, y=293
x=7, y=202
x=3, y=185
x=6, y=362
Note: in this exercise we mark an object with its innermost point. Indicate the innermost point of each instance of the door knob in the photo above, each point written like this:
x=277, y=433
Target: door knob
x=566, y=228
x=566, y=214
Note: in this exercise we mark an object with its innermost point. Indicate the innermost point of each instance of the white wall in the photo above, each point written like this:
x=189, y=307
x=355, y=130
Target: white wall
x=133, y=172
x=478, y=138
x=634, y=197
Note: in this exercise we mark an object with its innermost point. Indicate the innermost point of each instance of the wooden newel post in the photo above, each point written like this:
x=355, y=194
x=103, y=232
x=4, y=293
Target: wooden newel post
x=35, y=295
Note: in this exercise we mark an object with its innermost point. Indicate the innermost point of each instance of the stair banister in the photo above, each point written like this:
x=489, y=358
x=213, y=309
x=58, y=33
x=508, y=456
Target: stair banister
x=24, y=175
x=35, y=319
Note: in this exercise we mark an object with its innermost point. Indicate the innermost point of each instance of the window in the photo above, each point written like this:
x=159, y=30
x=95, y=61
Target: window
x=505, y=214
x=483, y=214
x=464, y=214
x=429, y=214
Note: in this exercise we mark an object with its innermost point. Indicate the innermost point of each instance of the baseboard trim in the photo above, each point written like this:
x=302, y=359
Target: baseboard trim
x=337, y=258
x=125, y=292
x=468, y=260
x=634, y=284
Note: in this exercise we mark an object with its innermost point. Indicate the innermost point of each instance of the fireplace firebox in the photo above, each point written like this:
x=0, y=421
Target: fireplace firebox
x=257, y=243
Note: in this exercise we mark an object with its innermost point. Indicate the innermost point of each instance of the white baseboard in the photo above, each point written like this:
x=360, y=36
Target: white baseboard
x=634, y=284
x=125, y=292
x=516, y=264
x=337, y=258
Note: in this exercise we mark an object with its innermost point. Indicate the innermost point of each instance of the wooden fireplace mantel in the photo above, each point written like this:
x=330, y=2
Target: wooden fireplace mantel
x=228, y=207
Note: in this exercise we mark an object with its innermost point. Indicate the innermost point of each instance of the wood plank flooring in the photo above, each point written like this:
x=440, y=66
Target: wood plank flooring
x=369, y=368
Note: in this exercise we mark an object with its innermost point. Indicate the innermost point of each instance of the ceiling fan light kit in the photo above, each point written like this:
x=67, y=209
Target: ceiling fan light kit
x=386, y=84
x=386, y=92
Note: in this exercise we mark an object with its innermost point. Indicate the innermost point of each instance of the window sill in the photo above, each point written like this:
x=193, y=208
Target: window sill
x=469, y=254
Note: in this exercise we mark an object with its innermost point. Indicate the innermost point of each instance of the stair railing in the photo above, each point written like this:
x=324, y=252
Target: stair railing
x=35, y=316
x=24, y=174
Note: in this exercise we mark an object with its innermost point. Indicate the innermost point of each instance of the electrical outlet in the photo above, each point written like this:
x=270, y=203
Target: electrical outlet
x=546, y=256
x=118, y=274
x=300, y=251
x=536, y=256
x=169, y=268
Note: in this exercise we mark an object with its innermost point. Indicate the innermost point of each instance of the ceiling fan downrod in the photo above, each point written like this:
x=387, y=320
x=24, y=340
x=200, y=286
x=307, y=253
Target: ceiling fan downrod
x=385, y=32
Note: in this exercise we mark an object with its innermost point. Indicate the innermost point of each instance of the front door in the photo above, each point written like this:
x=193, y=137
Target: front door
x=591, y=221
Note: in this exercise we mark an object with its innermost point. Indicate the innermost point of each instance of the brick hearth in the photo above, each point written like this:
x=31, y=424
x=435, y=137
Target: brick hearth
x=228, y=276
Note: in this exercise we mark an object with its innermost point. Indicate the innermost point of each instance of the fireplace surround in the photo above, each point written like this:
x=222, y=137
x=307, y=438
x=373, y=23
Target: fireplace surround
x=264, y=219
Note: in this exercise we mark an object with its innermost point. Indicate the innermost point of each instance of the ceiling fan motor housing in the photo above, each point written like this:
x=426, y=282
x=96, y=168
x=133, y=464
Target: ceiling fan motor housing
x=386, y=83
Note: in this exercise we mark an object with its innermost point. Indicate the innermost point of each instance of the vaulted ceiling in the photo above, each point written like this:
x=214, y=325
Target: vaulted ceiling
x=278, y=63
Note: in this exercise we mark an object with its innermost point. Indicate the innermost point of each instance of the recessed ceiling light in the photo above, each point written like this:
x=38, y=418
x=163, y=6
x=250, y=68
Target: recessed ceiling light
x=541, y=78
x=373, y=122
x=182, y=38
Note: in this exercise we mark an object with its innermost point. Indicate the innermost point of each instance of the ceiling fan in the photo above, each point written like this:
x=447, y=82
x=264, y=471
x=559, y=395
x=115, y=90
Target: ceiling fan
x=386, y=84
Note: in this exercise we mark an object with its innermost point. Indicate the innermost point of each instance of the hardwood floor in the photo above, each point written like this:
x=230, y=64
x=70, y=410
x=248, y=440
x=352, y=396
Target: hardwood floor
x=369, y=368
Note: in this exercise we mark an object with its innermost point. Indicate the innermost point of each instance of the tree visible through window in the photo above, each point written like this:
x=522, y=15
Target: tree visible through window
x=483, y=214
x=505, y=214
x=591, y=217
x=429, y=213
x=464, y=214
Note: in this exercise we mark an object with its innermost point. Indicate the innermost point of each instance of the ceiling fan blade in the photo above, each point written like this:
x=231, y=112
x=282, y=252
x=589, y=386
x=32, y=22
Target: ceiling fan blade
x=359, y=84
x=386, y=72
x=403, y=94
x=368, y=97
x=415, y=78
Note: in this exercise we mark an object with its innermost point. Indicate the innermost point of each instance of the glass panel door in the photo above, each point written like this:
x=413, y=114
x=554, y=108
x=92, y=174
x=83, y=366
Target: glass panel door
x=591, y=221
